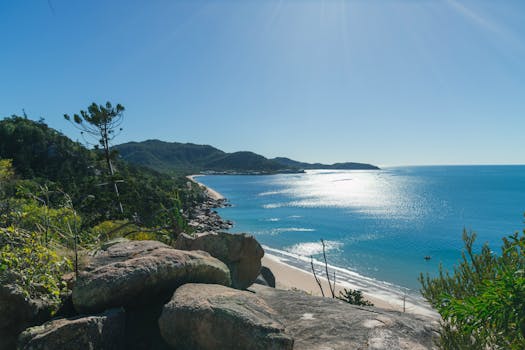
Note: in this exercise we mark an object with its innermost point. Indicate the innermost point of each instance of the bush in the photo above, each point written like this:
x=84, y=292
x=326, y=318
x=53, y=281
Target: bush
x=35, y=268
x=111, y=229
x=354, y=297
x=483, y=301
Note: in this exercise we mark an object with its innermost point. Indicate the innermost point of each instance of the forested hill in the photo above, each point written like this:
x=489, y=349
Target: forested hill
x=46, y=158
x=340, y=166
x=192, y=158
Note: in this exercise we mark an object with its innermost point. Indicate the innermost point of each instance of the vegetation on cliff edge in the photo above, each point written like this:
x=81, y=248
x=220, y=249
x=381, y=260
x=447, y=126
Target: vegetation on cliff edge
x=482, y=302
x=57, y=202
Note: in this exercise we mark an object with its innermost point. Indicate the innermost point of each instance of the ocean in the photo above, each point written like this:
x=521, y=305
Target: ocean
x=378, y=225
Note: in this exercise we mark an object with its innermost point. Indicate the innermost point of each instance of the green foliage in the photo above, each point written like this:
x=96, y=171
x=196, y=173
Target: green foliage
x=55, y=203
x=188, y=158
x=103, y=124
x=354, y=297
x=108, y=230
x=6, y=178
x=52, y=223
x=33, y=267
x=43, y=157
x=483, y=301
x=6, y=170
x=39, y=152
x=99, y=121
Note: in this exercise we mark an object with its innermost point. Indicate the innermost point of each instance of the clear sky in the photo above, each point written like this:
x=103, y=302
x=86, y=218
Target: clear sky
x=385, y=82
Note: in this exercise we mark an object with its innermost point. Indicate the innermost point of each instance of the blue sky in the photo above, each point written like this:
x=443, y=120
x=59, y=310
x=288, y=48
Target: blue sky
x=386, y=82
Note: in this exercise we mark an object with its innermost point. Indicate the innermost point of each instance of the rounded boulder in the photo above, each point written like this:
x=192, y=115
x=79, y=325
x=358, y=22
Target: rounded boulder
x=128, y=273
x=207, y=316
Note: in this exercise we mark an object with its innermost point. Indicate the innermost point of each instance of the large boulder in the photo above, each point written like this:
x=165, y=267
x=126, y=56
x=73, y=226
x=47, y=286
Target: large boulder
x=241, y=252
x=326, y=323
x=105, y=331
x=17, y=312
x=207, y=316
x=129, y=273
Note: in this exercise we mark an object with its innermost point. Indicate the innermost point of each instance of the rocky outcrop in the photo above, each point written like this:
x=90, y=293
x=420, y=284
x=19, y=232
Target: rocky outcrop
x=202, y=217
x=207, y=316
x=180, y=299
x=240, y=252
x=105, y=331
x=17, y=312
x=325, y=323
x=132, y=272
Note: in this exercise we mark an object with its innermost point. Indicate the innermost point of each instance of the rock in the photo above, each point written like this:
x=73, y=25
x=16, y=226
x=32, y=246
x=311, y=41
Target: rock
x=202, y=218
x=66, y=309
x=266, y=277
x=18, y=312
x=105, y=331
x=240, y=252
x=207, y=316
x=134, y=272
x=260, y=280
x=326, y=323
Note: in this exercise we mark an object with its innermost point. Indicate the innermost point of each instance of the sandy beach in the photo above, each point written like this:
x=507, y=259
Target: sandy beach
x=209, y=191
x=289, y=277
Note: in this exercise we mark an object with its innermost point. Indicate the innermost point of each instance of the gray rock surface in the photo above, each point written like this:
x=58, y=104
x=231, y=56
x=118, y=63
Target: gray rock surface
x=240, y=252
x=203, y=218
x=326, y=323
x=18, y=312
x=132, y=272
x=105, y=331
x=207, y=316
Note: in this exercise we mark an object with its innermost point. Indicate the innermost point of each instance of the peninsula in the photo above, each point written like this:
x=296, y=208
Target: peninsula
x=189, y=158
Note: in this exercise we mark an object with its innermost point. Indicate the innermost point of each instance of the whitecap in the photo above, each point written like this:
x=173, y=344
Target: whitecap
x=292, y=229
x=269, y=193
x=273, y=219
x=273, y=205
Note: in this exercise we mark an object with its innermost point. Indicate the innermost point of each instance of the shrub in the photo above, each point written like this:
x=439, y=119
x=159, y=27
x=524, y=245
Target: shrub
x=483, y=301
x=354, y=297
x=111, y=229
x=35, y=268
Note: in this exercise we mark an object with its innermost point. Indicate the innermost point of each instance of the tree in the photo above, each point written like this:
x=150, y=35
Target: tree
x=354, y=297
x=101, y=123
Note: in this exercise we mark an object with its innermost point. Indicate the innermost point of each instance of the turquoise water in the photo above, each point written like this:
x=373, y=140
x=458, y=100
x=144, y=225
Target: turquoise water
x=378, y=225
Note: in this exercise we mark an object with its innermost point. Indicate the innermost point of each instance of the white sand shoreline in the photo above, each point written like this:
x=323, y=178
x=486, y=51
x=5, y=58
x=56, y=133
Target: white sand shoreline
x=288, y=277
x=210, y=192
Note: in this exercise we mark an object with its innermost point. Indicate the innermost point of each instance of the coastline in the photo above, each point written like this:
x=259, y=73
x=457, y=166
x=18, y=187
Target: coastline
x=210, y=192
x=289, y=276
x=202, y=217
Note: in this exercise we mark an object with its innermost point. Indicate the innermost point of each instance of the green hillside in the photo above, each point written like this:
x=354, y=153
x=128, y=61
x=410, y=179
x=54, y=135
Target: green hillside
x=191, y=158
x=48, y=158
x=170, y=156
x=340, y=166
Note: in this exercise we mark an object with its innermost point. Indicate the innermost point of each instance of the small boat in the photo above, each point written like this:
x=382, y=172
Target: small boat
x=427, y=257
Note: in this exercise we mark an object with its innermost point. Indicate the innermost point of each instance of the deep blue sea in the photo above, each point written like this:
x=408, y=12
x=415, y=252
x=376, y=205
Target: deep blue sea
x=378, y=225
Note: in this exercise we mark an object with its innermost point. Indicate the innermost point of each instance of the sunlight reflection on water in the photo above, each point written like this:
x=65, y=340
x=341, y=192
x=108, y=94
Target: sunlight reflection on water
x=382, y=222
x=367, y=192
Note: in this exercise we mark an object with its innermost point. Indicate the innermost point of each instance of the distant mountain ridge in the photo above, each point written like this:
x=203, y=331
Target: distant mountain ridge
x=192, y=158
x=335, y=166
